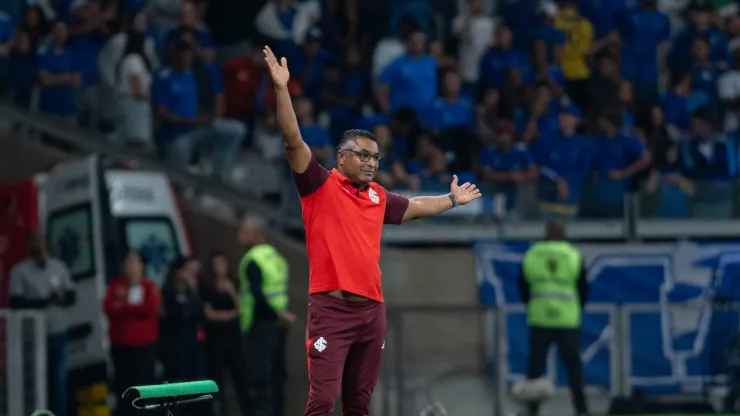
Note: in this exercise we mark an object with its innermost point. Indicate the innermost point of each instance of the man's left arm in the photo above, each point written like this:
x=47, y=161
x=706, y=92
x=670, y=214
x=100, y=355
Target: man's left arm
x=399, y=208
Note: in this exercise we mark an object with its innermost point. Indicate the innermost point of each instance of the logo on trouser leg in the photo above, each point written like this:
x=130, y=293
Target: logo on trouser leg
x=320, y=344
x=382, y=347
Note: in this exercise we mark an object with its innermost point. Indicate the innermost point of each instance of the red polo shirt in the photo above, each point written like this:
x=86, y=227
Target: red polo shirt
x=343, y=228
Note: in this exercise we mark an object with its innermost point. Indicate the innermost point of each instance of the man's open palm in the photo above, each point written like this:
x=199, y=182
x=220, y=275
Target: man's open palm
x=464, y=193
x=278, y=70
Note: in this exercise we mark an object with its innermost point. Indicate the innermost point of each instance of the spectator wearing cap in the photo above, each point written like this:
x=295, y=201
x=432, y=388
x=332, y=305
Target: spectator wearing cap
x=411, y=80
x=564, y=161
x=548, y=39
x=710, y=160
x=504, y=167
x=191, y=20
x=451, y=110
x=579, y=34
x=501, y=57
x=475, y=32
x=59, y=76
x=310, y=64
x=646, y=37
x=701, y=26
x=618, y=157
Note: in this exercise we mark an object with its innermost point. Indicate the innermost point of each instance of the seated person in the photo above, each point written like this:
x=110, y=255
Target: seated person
x=503, y=166
x=315, y=136
x=391, y=172
x=429, y=165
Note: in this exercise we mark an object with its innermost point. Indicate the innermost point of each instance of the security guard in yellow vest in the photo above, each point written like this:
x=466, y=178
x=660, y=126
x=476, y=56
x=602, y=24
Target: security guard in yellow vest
x=554, y=287
x=263, y=310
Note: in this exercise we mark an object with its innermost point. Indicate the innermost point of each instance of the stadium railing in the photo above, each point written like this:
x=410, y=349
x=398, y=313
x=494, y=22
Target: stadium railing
x=470, y=362
x=22, y=362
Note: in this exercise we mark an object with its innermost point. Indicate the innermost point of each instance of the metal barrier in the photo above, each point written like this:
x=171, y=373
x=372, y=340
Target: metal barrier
x=464, y=364
x=22, y=362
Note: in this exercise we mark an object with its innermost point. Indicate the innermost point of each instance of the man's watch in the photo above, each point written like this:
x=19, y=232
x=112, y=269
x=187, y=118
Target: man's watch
x=454, y=200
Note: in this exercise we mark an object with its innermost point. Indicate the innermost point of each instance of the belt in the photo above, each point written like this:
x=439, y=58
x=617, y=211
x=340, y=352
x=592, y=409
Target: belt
x=555, y=295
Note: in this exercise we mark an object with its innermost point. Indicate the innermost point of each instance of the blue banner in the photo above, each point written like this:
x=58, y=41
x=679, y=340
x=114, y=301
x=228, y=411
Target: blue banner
x=672, y=339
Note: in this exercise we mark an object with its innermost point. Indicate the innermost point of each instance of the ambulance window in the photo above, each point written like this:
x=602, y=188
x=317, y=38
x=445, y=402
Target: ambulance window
x=70, y=239
x=155, y=238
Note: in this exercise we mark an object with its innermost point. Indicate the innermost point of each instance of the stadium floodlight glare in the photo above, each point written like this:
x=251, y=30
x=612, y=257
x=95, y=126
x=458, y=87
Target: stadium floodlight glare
x=168, y=396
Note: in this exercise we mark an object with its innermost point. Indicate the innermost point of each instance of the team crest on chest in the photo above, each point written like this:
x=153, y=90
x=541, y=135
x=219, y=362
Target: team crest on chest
x=373, y=196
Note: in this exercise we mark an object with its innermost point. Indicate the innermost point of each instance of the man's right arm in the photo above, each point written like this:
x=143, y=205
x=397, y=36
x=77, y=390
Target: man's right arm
x=299, y=154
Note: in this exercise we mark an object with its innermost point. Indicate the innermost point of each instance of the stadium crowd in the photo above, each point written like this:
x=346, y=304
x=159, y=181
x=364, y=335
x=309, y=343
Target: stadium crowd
x=543, y=102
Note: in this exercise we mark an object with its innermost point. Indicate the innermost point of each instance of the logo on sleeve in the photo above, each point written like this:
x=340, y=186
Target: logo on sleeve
x=320, y=344
x=373, y=196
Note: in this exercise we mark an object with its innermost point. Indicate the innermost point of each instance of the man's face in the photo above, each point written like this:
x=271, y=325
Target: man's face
x=452, y=83
x=503, y=37
x=247, y=234
x=475, y=7
x=700, y=49
x=36, y=246
x=567, y=123
x=184, y=58
x=357, y=160
x=188, y=14
x=59, y=34
x=417, y=43
x=700, y=19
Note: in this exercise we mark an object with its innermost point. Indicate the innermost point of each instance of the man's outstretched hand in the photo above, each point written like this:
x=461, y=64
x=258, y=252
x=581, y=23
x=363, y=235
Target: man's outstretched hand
x=278, y=70
x=464, y=193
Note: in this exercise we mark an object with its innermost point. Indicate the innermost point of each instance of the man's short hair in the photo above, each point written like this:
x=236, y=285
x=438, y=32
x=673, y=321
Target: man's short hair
x=354, y=134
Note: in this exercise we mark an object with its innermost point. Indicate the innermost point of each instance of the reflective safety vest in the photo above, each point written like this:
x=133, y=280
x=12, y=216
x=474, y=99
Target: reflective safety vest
x=552, y=269
x=274, y=269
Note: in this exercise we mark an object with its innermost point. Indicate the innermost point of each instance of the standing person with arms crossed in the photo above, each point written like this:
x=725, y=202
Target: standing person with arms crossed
x=553, y=284
x=344, y=212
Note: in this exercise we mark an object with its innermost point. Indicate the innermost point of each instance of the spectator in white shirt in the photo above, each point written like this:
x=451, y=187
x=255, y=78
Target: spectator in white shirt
x=133, y=84
x=728, y=87
x=475, y=33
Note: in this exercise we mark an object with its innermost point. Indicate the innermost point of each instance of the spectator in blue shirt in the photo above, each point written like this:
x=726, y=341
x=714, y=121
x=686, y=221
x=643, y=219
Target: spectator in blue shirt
x=548, y=40
x=451, y=109
x=618, y=157
x=676, y=102
x=344, y=92
x=225, y=134
x=668, y=182
x=87, y=38
x=522, y=16
x=607, y=16
x=410, y=80
x=311, y=63
x=58, y=75
x=429, y=165
x=646, y=37
x=316, y=137
x=711, y=161
x=565, y=160
x=500, y=58
x=705, y=74
x=391, y=170
x=23, y=69
x=503, y=166
x=190, y=20
x=542, y=118
x=701, y=26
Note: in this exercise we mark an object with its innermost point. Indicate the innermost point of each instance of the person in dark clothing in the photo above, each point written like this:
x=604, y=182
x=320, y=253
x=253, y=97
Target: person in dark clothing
x=263, y=280
x=181, y=319
x=223, y=337
x=553, y=284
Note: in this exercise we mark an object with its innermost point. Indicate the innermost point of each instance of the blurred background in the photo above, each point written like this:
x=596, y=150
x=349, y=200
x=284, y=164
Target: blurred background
x=149, y=125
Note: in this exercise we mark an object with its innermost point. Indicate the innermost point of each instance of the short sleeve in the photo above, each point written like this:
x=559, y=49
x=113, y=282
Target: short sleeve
x=313, y=178
x=395, y=208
